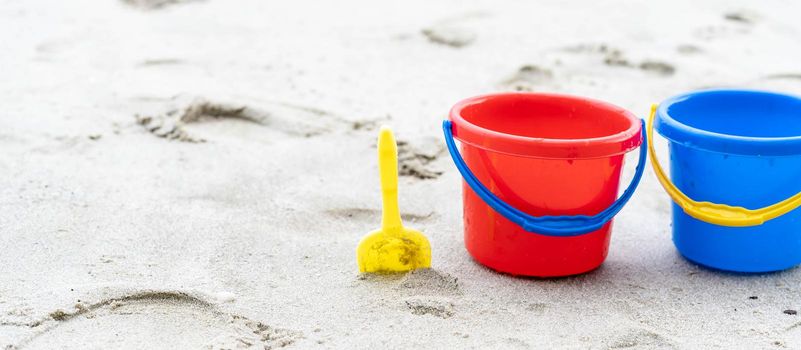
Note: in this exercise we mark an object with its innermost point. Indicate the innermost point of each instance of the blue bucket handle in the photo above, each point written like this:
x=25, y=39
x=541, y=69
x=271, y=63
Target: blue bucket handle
x=561, y=225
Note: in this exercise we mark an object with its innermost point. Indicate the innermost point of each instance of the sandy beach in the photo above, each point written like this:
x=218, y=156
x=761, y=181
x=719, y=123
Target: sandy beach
x=197, y=174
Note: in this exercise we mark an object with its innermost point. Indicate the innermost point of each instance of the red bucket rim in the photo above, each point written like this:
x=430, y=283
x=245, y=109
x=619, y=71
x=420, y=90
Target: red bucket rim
x=537, y=147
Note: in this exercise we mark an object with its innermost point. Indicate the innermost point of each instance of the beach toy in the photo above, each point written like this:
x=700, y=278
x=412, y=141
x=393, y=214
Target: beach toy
x=541, y=174
x=735, y=166
x=393, y=247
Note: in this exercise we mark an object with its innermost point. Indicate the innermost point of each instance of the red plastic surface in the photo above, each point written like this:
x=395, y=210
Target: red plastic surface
x=508, y=141
x=545, y=125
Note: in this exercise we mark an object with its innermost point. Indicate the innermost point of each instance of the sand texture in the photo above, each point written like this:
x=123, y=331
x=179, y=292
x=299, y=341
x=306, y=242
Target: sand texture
x=197, y=174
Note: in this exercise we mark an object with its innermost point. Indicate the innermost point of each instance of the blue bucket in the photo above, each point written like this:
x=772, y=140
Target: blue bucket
x=735, y=166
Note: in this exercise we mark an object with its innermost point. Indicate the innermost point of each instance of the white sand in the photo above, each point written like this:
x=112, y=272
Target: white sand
x=113, y=237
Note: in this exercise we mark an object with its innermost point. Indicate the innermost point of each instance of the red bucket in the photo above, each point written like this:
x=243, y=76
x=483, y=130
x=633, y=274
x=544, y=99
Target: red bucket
x=541, y=176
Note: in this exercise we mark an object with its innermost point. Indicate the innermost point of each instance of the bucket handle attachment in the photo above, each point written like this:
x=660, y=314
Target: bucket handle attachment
x=559, y=226
x=713, y=213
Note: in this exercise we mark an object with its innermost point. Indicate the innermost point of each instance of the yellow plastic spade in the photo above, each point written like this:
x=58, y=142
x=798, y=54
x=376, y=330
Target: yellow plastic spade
x=392, y=248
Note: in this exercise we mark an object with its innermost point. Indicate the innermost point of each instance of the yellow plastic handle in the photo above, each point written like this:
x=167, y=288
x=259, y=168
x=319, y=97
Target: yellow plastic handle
x=388, y=169
x=718, y=214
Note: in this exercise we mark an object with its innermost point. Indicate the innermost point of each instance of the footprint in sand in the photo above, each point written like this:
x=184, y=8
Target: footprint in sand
x=415, y=158
x=428, y=282
x=162, y=319
x=369, y=124
x=614, y=57
x=418, y=157
x=788, y=76
x=434, y=306
x=449, y=35
x=639, y=338
x=155, y=4
x=741, y=16
x=372, y=215
x=290, y=120
x=421, y=292
x=688, y=49
x=657, y=67
x=716, y=32
x=778, y=82
x=537, y=309
x=453, y=32
x=736, y=23
x=529, y=78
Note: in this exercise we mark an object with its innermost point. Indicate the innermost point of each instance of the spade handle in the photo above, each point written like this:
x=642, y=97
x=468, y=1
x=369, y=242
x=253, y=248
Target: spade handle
x=388, y=169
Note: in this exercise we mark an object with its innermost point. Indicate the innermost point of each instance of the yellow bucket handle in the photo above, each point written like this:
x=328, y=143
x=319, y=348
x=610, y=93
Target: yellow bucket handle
x=718, y=214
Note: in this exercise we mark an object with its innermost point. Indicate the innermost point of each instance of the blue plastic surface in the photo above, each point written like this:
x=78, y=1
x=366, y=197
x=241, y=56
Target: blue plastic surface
x=747, y=156
x=563, y=226
x=745, y=122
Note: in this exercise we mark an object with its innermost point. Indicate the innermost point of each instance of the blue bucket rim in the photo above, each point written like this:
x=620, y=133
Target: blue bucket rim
x=689, y=136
